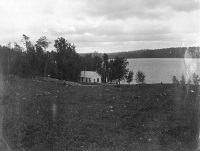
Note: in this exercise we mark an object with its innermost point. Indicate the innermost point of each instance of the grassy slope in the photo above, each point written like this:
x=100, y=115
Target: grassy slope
x=92, y=117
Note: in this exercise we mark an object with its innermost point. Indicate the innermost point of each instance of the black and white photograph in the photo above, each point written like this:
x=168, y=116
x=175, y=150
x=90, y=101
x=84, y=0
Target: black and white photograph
x=99, y=75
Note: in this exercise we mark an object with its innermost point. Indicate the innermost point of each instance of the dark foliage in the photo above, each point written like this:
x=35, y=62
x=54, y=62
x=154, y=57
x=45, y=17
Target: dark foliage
x=34, y=60
x=119, y=70
x=129, y=76
x=140, y=77
x=67, y=60
x=91, y=62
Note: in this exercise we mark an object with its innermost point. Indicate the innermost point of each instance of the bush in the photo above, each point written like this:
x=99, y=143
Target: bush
x=195, y=79
x=182, y=81
x=140, y=77
x=129, y=77
x=175, y=80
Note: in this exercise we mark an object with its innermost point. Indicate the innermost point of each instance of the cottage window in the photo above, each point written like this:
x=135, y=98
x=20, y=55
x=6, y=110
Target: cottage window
x=97, y=79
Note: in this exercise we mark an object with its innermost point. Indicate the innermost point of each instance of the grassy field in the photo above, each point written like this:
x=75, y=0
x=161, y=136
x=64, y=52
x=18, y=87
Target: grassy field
x=45, y=116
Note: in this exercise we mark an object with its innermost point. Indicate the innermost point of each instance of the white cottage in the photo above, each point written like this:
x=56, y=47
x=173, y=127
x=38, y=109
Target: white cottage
x=90, y=77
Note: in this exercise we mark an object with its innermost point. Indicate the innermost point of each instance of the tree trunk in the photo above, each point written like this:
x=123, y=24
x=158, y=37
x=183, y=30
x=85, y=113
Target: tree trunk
x=45, y=69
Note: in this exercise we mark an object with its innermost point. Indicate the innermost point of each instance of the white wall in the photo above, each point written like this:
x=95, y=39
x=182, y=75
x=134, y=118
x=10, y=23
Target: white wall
x=96, y=78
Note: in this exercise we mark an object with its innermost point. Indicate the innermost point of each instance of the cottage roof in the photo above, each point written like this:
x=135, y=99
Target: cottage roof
x=89, y=74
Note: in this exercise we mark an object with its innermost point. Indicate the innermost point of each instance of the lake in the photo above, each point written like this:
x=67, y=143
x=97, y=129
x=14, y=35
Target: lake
x=159, y=70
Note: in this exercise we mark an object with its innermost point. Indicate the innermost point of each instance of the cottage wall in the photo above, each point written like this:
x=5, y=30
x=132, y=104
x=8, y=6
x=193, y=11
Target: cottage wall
x=95, y=78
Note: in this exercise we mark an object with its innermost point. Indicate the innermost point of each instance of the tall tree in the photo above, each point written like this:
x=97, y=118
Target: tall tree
x=52, y=68
x=97, y=61
x=30, y=60
x=27, y=43
x=120, y=70
x=111, y=71
x=43, y=43
x=68, y=61
x=18, y=54
x=105, y=66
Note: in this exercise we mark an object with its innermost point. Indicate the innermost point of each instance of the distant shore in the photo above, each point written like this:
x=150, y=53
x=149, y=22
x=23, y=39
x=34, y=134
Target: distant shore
x=177, y=52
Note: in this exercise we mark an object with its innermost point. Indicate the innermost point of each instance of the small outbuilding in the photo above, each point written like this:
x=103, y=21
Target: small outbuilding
x=90, y=77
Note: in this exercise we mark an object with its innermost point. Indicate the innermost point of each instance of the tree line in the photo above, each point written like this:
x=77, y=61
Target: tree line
x=178, y=52
x=31, y=60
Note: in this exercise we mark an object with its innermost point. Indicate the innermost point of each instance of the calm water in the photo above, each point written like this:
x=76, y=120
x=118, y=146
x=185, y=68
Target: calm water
x=162, y=69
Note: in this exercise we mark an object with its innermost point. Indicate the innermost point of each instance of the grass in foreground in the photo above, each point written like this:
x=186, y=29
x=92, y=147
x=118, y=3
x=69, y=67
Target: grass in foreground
x=42, y=115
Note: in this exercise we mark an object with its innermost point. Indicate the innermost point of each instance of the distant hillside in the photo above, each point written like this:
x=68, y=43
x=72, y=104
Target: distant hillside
x=177, y=52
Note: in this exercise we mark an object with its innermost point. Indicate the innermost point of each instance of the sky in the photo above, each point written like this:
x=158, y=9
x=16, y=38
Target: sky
x=103, y=25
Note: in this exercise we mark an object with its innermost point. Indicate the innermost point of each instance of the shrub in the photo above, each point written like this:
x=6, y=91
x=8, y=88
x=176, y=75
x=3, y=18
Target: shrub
x=195, y=79
x=129, y=76
x=175, y=80
x=140, y=77
x=182, y=81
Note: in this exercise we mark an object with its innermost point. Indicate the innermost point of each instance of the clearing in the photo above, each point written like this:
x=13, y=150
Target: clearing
x=42, y=116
